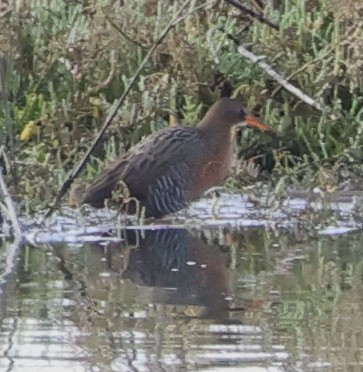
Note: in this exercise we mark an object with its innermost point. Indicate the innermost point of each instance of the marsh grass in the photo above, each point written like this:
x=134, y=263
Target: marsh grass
x=68, y=61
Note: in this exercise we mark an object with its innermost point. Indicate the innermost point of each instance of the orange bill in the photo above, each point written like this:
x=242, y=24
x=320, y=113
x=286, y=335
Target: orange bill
x=253, y=122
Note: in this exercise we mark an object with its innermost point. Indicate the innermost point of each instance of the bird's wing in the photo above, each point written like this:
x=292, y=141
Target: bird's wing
x=157, y=171
x=101, y=188
x=165, y=170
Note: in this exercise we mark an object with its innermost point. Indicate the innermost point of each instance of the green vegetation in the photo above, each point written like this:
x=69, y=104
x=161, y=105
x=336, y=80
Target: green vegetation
x=67, y=61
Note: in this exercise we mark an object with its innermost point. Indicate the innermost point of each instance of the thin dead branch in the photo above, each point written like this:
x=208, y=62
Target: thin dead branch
x=282, y=81
x=7, y=205
x=252, y=13
x=123, y=33
x=4, y=96
x=302, y=68
x=11, y=255
x=103, y=84
x=270, y=71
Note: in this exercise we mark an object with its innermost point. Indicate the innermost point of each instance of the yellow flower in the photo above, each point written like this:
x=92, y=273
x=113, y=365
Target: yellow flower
x=29, y=131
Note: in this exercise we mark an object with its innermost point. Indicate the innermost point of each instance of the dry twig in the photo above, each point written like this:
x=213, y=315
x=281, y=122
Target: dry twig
x=10, y=261
x=252, y=13
x=4, y=96
x=282, y=81
x=7, y=205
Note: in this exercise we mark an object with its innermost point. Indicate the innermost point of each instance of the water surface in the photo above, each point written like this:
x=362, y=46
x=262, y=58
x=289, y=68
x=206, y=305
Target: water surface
x=178, y=300
x=224, y=287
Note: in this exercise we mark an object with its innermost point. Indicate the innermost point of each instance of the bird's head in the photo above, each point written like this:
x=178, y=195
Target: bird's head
x=228, y=112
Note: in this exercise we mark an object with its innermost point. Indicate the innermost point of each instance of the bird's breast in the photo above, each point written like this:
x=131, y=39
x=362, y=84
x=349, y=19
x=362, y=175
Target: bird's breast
x=211, y=172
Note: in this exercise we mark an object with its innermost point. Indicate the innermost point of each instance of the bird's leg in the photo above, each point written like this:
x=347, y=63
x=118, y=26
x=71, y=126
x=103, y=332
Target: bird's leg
x=134, y=210
x=215, y=205
x=120, y=193
x=142, y=215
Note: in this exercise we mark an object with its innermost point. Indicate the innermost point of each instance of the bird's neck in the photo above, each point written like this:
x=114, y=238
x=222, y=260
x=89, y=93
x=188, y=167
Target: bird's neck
x=217, y=135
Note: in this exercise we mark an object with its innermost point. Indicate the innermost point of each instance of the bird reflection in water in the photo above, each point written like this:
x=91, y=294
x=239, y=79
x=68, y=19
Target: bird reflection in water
x=185, y=270
x=170, y=266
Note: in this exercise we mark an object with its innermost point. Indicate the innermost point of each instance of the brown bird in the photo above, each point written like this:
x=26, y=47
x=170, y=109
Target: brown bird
x=175, y=165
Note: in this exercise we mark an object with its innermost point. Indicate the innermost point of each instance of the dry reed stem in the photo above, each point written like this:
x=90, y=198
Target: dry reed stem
x=284, y=83
x=7, y=206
